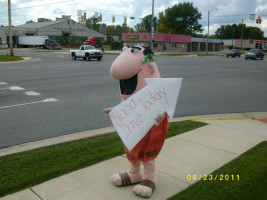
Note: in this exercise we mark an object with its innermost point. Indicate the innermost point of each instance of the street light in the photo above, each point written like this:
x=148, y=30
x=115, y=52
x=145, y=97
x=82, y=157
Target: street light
x=207, y=44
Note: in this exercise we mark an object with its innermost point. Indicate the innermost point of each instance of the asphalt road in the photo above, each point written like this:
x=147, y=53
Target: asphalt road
x=61, y=96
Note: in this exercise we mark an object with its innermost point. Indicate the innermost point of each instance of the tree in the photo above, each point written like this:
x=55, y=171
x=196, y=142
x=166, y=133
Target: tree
x=189, y=26
x=118, y=30
x=234, y=31
x=145, y=25
x=92, y=23
x=30, y=21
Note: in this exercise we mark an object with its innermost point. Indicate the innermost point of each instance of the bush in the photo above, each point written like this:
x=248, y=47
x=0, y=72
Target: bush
x=116, y=45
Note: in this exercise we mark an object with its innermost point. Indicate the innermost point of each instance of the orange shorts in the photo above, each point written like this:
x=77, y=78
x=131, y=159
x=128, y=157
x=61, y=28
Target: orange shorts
x=149, y=147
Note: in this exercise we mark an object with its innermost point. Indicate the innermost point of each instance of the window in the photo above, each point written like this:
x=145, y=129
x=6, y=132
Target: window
x=89, y=48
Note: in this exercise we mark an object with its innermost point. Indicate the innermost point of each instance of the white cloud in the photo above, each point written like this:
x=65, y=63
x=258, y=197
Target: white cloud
x=229, y=11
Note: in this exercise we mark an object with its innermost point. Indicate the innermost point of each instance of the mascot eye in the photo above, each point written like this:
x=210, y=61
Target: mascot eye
x=135, y=50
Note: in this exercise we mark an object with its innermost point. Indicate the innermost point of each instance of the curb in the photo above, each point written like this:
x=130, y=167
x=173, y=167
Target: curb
x=107, y=130
x=25, y=59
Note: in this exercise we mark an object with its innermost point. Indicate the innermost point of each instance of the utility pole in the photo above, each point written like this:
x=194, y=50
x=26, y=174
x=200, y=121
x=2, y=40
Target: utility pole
x=152, y=26
x=10, y=29
x=242, y=35
x=233, y=38
x=207, y=44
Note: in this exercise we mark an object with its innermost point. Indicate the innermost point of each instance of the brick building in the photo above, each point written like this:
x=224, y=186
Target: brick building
x=162, y=42
x=171, y=42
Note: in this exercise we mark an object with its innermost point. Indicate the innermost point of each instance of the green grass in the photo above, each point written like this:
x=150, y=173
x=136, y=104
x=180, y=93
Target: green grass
x=23, y=170
x=191, y=53
x=108, y=53
x=5, y=58
x=107, y=47
x=176, y=54
x=252, y=184
x=210, y=54
x=50, y=51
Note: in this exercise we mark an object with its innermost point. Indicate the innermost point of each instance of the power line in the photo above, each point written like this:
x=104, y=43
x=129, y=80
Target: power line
x=38, y=5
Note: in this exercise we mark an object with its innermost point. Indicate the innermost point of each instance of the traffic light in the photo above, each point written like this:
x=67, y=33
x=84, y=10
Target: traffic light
x=259, y=20
x=100, y=18
x=84, y=15
x=113, y=19
x=125, y=20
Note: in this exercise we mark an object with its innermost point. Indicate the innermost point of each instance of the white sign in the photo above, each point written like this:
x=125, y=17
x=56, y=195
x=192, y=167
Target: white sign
x=79, y=13
x=134, y=117
x=252, y=17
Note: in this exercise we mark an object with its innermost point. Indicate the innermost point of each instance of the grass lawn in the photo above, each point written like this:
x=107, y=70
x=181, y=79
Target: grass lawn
x=23, y=170
x=251, y=167
x=191, y=53
x=106, y=47
x=175, y=54
x=4, y=58
x=108, y=53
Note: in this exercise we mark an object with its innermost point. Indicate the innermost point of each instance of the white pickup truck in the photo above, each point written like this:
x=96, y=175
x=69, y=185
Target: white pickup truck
x=86, y=52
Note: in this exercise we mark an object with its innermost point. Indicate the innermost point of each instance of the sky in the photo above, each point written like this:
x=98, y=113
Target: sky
x=228, y=11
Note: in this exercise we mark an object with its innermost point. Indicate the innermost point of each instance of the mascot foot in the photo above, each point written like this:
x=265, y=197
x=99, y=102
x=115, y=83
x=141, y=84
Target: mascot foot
x=126, y=178
x=145, y=188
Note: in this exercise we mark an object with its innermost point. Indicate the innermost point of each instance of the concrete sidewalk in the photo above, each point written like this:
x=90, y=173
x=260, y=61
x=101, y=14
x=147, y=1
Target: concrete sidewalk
x=198, y=152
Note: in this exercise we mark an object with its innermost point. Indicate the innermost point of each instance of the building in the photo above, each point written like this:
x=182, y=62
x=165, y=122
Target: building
x=245, y=44
x=250, y=43
x=199, y=44
x=228, y=43
x=171, y=42
x=162, y=42
x=63, y=29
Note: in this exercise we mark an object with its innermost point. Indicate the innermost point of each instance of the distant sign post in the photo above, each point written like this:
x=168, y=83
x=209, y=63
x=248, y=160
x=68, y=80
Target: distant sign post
x=179, y=19
x=252, y=17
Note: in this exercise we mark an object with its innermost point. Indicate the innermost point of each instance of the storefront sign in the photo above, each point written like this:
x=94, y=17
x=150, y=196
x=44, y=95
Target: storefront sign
x=133, y=36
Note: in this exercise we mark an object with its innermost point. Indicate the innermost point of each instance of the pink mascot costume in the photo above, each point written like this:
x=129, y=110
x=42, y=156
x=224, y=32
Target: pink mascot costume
x=130, y=68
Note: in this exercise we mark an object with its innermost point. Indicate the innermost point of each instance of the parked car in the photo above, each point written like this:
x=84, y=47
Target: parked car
x=233, y=53
x=86, y=52
x=254, y=54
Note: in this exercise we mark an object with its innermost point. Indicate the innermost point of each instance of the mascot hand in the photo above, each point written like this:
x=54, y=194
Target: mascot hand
x=159, y=118
x=106, y=111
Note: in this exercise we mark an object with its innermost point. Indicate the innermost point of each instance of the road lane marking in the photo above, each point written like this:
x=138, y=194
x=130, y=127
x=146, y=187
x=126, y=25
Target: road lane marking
x=50, y=100
x=16, y=88
x=32, y=93
x=13, y=88
x=24, y=104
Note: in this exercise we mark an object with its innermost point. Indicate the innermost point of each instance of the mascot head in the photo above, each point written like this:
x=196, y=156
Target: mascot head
x=131, y=67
